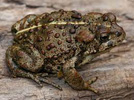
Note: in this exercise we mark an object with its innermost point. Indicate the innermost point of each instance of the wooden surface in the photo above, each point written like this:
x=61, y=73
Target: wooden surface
x=114, y=69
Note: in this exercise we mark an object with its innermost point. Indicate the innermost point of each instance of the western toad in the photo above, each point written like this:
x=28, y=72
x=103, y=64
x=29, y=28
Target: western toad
x=58, y=42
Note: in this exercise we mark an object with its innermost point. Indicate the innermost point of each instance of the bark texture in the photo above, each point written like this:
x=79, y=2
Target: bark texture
x=114, y=69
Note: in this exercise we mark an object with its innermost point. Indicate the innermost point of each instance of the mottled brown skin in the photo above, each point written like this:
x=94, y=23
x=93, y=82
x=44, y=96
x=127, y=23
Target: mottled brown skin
x=59, y=49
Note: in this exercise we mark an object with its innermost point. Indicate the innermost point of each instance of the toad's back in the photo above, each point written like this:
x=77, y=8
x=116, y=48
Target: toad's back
x=59, y=40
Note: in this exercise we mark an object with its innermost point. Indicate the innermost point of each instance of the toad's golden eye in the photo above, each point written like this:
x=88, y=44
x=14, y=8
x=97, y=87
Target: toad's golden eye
x=104, y=37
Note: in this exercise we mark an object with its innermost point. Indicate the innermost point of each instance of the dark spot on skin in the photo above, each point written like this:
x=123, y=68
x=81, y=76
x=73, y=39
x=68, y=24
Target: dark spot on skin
x=55, y=57
x=74, y=48
x=63, y=34
x=49, y=57
x=118, y=34
x=110, y=43
x=76, y=26
x=52, y=51
x=62, y=49
x=61, y=27
x=48, y=47
x=39, y=39
x=20, y=37
x=69, y=40
x=76, y=15
x=69, y=46
x=85, y=20
x=59, y=54
x=25, y=35
x=36, y=23
x=57, y=35
x=51, y=19
x=44, y=26
x=43, y=52
x=67, y=51
x=51, y=45
x=49, y=32
x=59, y=42
x=31, y=30
x=72, y=30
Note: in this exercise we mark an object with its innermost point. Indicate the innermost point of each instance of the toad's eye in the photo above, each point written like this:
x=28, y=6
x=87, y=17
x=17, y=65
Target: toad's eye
x=104, y=37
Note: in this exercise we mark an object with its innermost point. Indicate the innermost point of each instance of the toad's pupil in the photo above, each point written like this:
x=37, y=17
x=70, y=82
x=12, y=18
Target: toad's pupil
x=118, y=34
x=104, y=38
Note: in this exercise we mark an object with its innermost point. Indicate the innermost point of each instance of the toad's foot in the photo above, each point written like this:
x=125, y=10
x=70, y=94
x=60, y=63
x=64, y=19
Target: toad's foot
x=39, y=80
x=73, y=78
x=92, y=80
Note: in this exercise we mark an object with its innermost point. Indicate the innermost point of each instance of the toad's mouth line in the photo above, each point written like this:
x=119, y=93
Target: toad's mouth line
x=54, y=23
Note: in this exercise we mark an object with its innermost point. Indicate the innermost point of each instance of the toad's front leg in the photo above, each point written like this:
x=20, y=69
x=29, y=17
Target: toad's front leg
x=73, y=78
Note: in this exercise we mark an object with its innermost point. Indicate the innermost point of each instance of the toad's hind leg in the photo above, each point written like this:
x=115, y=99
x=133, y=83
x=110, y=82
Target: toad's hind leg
x=73, y=78
x=22, y=66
